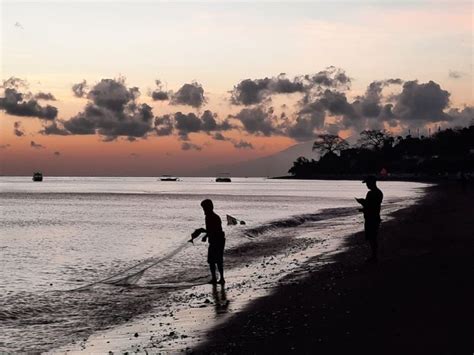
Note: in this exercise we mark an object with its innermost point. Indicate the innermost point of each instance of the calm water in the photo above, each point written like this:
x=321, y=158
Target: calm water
x=62, y=233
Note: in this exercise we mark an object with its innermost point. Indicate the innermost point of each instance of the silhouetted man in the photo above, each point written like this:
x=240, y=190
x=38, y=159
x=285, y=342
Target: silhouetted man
x=216, y=237
x=371, y=208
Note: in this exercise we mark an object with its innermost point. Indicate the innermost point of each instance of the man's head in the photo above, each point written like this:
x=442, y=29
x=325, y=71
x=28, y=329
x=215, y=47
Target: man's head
x=207, y=206
x=370, y=181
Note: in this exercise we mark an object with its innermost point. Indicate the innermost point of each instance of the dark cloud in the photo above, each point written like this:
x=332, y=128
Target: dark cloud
x=46, y=96
x=189, y=94
x=36, y=145
x=112, y=112
x=249, y=92
x=190, y=146
x=57, y=154
x=17, y=102
x=330, y=77
x=159, y=94
x=17, y=129
x=243, y=145
x=164, y=125
x=4, y=146
x=191, y=123
x=462, y=117
x=53, y=129
x=187, y=123
x=80, y=89
x=422, y=102
x=218, y=136
x=257, y=121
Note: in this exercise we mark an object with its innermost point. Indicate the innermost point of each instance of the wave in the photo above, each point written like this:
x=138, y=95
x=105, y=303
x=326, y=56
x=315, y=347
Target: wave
x=298, y=220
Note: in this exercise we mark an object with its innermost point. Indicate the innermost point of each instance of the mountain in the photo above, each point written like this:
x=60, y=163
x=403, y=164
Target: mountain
x=273, y=165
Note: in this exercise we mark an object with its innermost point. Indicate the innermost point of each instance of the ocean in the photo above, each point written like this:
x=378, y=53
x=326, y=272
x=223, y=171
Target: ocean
x=65, y=232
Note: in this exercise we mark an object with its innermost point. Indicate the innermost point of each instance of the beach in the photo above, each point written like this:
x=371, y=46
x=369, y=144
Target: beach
x=416, y=300
x=66, y=233
x=301, y=286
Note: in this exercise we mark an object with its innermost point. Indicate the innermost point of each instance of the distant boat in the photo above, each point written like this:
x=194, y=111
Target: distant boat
x=168, y=178
x=37, y=177
x=223, y=178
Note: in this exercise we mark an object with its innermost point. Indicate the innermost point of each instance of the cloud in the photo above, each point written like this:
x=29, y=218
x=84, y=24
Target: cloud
x=112, y=111
x=4, y=146
x=189, y=94
x=57, y=154
x=191, y=123
x=46, y=96
x=80, y=89
x=159, y=94
x=53, y=129
x=16, y=102
x=422, y=102
x=330, y=77
x=17, y=129
x=164, y=125
x=243, y=145
x=257, y=120
x=36, y=145
x=249, y=92
x=218, y=136
x=190, y=146
x=453, y=74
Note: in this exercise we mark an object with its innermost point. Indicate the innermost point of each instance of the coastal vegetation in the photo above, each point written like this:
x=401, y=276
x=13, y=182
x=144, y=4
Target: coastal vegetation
x=446, y=152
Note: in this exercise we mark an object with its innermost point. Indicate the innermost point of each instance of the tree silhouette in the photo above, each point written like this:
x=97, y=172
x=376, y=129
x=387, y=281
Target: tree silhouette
x=375, y=139
x=329, y=143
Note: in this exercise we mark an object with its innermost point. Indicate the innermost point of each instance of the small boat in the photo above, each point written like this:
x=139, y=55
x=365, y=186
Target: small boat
x=37, y=177
x=168, y=178
x=223, y=178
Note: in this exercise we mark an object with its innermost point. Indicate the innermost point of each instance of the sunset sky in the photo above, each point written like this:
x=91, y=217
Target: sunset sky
x=151, y=88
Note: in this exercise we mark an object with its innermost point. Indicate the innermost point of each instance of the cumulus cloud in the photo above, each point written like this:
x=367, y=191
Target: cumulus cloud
x=330, y=77
x=17, y=129
x=422, y=102
x=243, y=144
x=53, y=129
x=80, y=89
x=190, y=146
x=164, y=125
x=19, y=102
x=191, y=123
x=112, y=111
x=257, y=120
x=46, y=96
x=249, y=92
x=36, y=145
x=159, y=94
x=189, y=94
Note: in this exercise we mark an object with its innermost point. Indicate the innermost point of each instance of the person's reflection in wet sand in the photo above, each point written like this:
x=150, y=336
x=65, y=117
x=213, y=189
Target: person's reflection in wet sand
x=221, y=303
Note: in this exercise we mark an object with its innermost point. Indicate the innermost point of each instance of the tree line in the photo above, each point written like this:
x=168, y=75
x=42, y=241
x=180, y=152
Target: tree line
x=449, y=151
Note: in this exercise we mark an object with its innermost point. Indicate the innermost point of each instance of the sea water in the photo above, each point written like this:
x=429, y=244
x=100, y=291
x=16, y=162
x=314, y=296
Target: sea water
x=66, y=232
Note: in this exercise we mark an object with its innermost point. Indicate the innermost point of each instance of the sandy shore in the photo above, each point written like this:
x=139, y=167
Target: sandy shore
x=416, y=300
x=284, y=299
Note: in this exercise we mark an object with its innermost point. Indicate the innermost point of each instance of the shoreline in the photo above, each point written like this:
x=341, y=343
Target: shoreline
x=192, y=312
x=416, y=300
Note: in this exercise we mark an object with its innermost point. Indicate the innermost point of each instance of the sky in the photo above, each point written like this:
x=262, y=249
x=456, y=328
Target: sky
x=150, y=88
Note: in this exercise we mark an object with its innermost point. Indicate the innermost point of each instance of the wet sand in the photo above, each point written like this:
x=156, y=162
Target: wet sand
x=416, y=300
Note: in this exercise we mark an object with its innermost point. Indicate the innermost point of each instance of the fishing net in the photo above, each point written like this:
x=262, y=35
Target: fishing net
x=132, y=275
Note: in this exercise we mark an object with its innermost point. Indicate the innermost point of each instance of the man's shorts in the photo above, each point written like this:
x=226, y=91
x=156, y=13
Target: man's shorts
x=215, y=253
x=371, y=229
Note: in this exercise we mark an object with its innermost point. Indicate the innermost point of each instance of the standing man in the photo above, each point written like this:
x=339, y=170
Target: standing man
x=371, y=209
x=216, y=238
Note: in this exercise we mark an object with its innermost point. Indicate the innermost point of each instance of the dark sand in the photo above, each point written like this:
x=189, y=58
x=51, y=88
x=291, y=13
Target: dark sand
x=417, y=300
